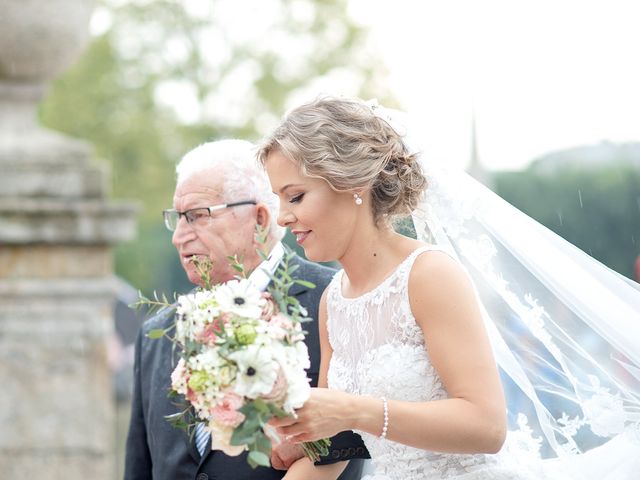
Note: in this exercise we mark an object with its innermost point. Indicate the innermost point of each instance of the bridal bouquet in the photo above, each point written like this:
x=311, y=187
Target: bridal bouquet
x=242, y=361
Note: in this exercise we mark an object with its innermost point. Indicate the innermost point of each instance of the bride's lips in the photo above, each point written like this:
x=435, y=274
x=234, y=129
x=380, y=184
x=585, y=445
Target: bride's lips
x=301, y=236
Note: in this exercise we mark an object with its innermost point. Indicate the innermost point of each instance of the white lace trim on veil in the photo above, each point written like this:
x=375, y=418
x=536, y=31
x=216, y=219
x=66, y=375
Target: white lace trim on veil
x=565, y=329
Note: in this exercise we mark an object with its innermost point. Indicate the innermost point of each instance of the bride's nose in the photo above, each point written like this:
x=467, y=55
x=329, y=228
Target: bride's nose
x=285, y=217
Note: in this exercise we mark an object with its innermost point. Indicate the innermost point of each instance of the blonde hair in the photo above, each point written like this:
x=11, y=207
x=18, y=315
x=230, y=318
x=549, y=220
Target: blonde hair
x=344, y=143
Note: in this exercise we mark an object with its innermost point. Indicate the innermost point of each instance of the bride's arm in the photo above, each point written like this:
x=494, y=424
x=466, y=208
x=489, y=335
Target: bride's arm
x=304, y=469
x=325, y=346
x=471, y=420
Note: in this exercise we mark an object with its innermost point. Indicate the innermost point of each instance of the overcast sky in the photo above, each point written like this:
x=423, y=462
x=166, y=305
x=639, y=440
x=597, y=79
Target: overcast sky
x=541, y=75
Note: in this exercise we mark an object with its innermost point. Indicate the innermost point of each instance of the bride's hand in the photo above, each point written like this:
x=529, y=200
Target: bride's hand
x=323, y=415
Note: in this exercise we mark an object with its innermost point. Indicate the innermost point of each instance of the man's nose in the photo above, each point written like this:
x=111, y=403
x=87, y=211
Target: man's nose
x=182, y=233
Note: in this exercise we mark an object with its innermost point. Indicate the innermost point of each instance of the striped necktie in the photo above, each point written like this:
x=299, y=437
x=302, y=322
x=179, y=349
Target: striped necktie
x=202, y=438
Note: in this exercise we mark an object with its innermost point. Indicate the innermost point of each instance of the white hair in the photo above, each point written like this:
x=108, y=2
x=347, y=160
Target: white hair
x=243, y=178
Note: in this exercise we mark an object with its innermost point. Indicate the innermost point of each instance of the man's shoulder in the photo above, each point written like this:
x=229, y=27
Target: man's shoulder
x=161, y=319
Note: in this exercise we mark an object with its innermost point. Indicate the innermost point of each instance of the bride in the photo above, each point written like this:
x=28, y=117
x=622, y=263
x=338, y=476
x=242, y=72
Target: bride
x=416, y=335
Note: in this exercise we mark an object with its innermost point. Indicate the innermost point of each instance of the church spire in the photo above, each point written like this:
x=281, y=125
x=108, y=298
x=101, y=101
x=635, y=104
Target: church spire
x=475, y=168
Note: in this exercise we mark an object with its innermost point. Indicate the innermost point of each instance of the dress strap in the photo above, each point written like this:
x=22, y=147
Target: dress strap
x=407, y=264
x=419, y=251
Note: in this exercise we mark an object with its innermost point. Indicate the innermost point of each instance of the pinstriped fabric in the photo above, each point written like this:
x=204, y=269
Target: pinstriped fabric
x=202, y=437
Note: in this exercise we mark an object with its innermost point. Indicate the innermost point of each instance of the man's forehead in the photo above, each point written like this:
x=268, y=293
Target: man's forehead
x=204, y=184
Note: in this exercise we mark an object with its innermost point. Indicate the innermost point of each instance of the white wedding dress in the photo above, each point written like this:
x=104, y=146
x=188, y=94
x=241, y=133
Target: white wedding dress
x=379, y=350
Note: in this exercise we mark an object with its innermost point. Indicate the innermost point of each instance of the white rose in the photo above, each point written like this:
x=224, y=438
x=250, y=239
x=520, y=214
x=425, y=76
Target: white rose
x=220, y=438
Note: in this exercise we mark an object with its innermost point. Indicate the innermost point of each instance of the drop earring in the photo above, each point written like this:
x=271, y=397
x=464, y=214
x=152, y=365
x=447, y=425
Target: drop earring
x=357, y=199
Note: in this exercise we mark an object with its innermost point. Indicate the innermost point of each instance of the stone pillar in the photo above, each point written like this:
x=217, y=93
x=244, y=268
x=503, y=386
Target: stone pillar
x=56, y=283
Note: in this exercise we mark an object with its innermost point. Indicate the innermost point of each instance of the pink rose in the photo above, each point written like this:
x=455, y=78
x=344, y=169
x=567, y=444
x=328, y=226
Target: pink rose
x=281, y=321
x=226, y=319
x=210, y=333
x=191, y=395
x=180, y=377
x=279, y=390
x=280, y=326
x=269, y=307
x=226, y=412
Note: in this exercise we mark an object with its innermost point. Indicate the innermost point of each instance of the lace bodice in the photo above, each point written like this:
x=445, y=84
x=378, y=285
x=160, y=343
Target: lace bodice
x=379, y=350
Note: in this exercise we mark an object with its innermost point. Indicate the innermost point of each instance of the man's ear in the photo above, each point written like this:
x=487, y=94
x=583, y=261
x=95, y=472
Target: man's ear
x=263, y=216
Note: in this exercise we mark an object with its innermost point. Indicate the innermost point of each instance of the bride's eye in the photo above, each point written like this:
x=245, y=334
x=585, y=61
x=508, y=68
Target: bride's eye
x=296, y=198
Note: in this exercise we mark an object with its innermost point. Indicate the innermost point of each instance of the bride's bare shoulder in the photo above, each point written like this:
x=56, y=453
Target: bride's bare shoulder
x=435, y=271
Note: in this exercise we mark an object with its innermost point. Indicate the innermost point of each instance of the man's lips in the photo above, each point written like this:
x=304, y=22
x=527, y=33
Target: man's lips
x=188, y=257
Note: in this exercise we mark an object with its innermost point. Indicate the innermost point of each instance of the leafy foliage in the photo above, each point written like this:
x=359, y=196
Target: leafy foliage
x=165, y=76
x=598, y=210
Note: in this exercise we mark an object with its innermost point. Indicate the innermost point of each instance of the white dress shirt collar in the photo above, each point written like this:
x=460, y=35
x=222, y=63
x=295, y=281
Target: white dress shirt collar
x=260, y=277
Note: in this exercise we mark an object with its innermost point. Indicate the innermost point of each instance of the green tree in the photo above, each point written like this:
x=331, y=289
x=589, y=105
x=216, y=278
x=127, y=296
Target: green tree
x=164, y=76
x=598, y=210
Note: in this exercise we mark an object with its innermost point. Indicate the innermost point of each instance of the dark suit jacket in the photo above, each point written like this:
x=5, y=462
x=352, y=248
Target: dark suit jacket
x=157, y=450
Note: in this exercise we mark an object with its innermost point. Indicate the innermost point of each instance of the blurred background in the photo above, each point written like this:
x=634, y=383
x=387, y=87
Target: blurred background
x=538, y=100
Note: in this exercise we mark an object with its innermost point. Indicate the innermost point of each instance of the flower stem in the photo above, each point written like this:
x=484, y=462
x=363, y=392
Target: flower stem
x=317, y=449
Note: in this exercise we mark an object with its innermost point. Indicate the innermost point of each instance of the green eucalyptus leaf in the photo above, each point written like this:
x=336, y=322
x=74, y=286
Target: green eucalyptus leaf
x=277, y=411
x=156, y=333
x=243, y=435
x=259, y=458
x=263, y=443
x=305, y=283
x=261, y=406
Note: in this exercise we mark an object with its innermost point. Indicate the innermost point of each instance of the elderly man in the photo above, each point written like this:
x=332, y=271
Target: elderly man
x=220, y=198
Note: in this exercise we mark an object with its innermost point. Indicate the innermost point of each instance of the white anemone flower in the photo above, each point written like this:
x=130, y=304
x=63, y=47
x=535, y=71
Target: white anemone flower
x=195, y=311
x=257, y=371
x=240, y=298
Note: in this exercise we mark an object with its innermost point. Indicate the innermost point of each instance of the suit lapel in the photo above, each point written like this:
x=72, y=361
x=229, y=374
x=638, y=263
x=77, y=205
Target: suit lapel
x=190, y=441
x=207, y=451
x=296, y=289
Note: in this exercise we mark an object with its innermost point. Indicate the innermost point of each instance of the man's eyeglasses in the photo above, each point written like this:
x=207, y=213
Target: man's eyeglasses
x=197, y=216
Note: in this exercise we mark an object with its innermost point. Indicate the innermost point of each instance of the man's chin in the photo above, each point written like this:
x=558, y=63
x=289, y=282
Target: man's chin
x=196, y=280
x=193, y=277
x=218, y=277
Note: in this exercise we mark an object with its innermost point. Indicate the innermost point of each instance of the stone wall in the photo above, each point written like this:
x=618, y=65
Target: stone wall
x=57, y=230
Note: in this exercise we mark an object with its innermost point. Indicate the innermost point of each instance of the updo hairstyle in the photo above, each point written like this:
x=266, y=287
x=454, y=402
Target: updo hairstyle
x=343, y=142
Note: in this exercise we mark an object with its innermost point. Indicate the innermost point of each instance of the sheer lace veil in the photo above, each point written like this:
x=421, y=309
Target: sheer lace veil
x=565, y=329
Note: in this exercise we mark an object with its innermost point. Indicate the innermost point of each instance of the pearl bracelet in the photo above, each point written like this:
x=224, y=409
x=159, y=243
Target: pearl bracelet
x=385, y=425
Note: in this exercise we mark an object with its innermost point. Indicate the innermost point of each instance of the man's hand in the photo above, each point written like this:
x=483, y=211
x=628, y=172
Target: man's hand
x=284, y=454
